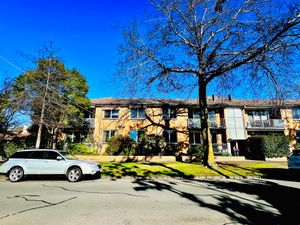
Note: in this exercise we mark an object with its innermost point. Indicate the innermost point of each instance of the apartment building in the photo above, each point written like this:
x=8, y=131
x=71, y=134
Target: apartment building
x=231, y=121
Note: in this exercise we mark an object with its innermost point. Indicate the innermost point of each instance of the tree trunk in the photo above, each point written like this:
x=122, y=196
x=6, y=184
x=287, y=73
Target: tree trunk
x=206, y=136
x=39, y=134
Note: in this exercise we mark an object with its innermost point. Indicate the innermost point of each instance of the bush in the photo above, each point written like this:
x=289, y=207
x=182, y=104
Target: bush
x=121, y=145
x=268, y=146
x=196, y=150
x=76, y=149
x=152, y=145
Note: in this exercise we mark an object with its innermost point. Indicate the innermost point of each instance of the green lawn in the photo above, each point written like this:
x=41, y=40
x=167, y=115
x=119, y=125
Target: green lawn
x=262, y=169
x=189, y=170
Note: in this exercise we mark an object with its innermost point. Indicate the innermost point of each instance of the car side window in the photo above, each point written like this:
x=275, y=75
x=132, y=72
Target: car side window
x=51, y=155
x=36, y=155
x=20, y=155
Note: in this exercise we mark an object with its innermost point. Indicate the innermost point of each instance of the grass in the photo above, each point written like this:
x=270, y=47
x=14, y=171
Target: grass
x=269, y=170
x=188, y=170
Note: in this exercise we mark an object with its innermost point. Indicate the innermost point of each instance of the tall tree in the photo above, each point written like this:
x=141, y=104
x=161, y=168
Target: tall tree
x=191, y=43
x=56, y=96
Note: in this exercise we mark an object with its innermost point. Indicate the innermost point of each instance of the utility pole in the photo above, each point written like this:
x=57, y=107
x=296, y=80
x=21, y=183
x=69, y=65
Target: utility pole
x=39, y=134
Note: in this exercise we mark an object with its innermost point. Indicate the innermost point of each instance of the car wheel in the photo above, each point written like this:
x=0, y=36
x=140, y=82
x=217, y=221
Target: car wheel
x=16, y=174
x=74, y=174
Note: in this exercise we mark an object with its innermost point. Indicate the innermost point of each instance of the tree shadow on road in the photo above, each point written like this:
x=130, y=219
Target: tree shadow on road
x=227, y=199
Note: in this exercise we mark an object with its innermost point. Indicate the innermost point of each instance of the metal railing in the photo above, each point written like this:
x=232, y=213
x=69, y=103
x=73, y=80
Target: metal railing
x=220, y=149
x=196, y=123
x=266, y=124
x=217, y=124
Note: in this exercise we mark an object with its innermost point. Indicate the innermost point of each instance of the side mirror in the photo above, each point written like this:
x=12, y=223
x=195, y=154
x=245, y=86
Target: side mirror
x=58, y=158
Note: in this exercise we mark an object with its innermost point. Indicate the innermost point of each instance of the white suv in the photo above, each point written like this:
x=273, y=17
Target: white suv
x=47, y=162
x=294, y=159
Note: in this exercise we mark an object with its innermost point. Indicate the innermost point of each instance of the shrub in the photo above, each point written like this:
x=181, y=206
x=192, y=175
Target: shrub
x=196, y=150
x=79, y=149
x=268, y=146
x=121, y=145
x=151, y=145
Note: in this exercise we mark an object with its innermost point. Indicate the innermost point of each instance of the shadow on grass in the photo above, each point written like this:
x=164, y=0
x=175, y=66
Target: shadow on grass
x=244, y=202
x=119, y=170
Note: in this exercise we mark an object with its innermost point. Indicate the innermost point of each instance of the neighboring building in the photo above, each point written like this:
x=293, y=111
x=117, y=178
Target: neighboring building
x=231, y=121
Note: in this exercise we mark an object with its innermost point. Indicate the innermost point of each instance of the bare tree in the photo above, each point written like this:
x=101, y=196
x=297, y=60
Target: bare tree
x=191, y=43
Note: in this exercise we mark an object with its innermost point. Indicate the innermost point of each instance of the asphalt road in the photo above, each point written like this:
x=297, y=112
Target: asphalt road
x=143, y=202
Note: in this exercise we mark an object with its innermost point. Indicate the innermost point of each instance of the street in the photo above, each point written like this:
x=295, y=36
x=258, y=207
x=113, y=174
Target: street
x=141, y=201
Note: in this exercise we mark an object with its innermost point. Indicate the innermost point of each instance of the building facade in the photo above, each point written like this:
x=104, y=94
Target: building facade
x=231, y=121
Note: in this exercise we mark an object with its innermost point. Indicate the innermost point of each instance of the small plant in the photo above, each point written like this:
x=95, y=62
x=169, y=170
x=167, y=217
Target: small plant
x=121, y=145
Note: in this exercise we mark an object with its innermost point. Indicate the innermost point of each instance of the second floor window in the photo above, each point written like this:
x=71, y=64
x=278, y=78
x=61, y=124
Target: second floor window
x=170, y=136
x=137, y=135
x=138, y=114
x=296, y=113
x=108, y=134
x=111, y=114
x=169, y=113
x=194, y=114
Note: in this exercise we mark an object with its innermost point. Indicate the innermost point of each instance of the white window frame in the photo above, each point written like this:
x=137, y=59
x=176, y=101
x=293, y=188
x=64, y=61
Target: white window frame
x=111, y=113
x=140, y=113
x=138, y=135
x=169, y=113
x=169, y=136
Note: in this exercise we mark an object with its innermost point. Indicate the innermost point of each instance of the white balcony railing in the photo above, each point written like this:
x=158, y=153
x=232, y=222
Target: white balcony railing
x=266, y=124
x=194, y=123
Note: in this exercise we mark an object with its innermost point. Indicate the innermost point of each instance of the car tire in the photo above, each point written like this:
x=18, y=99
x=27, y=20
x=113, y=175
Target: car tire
x=16, y=174
x=74, y=174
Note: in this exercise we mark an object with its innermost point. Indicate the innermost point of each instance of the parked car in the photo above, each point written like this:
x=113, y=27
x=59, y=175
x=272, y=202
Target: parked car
x=47, y=162
x=294, y=159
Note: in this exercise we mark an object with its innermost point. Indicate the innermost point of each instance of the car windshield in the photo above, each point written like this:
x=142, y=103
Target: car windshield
x=68, y=156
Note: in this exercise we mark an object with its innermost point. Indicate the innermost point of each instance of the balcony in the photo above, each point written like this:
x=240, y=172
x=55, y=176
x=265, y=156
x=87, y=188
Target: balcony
x=90, y=122
x=217, y=125
x=272, y=124
x=194, y=123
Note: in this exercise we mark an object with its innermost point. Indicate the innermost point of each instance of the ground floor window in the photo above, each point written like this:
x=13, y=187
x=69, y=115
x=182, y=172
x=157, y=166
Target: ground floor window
x=108, y=134
x=137, y=135
x=170, y=136
x=195, y=137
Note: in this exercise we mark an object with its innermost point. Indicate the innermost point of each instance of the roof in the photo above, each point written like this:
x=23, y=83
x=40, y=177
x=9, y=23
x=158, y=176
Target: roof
x=212, y=102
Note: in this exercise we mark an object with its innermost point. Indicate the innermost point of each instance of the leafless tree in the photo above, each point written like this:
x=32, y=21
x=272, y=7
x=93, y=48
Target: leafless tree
x=193, y=43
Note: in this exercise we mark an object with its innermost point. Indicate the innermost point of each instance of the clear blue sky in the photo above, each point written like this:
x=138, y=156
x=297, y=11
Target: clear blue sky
x=86, y=32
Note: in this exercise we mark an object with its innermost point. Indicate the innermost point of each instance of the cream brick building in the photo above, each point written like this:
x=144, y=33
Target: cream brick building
x=231, y=121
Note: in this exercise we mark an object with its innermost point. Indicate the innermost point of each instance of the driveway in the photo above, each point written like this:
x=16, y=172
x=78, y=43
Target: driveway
x=141, y=201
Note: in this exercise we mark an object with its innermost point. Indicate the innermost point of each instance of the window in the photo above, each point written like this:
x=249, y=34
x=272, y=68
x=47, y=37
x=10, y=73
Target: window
x=111, y=114
x=169, y=113
x=195, y=137
x=138, y=114
x=170, y=136
x=258, y=115
x=50, y=155
x=298, y=136
x=36, y=155
x=108, y=134
x=137, y=135
x=296, y=113
x=194, y=113
x=20, y=155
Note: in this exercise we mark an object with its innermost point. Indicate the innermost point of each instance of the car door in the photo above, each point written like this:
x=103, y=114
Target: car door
x=51, y=165
x=34, y=162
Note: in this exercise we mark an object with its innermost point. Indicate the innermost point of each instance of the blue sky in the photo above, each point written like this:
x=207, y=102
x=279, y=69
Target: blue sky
x=86, y=32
